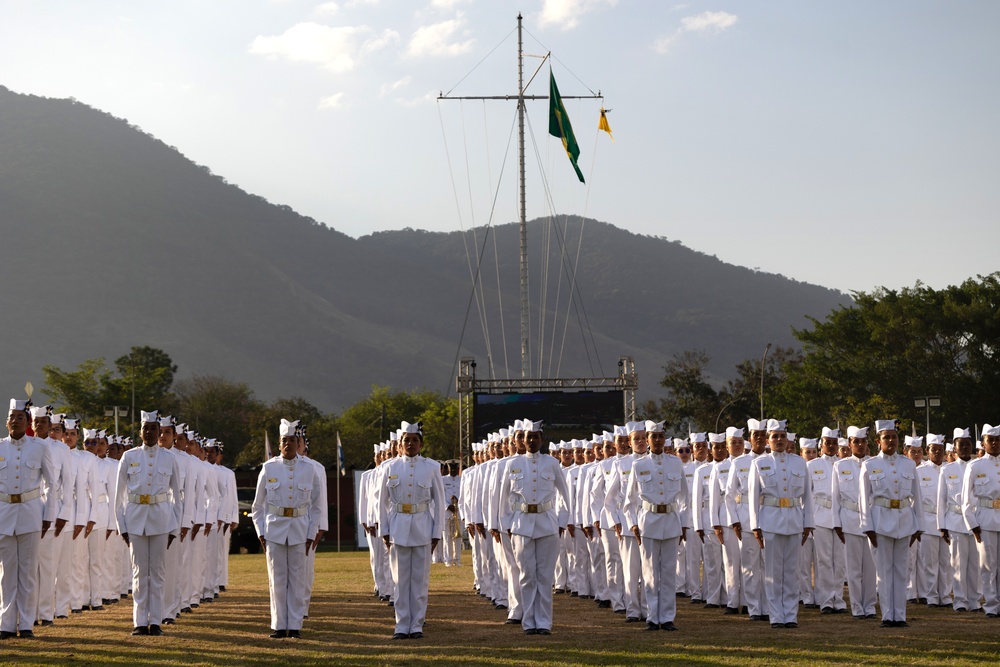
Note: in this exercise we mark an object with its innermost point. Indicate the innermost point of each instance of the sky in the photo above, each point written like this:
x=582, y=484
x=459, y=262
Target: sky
x=847, y=144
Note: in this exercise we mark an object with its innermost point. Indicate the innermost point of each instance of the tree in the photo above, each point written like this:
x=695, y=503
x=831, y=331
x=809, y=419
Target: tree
x=218, y=408
x=691, y=401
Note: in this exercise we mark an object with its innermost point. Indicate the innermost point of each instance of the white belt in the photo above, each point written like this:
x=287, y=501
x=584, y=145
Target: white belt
x=15, y=498
x=989, y=503
x=893, y=503
x=103, y=498
x=533, y=508
x=823, y=502
x=930, y=509
x=957, y=509
x=287, y=511
x=662, y=508
x=742, y=499
x=847, y=504
x=771, y=501
x=412, y=508
x=148, y=499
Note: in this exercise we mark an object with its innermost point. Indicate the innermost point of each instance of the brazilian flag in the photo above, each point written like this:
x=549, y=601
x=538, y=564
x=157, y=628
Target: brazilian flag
x=559, y=125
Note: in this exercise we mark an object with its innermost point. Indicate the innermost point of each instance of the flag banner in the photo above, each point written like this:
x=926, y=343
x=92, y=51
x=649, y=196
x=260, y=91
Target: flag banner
x=267, y=447
x=559, y=125
x=340, y=456
x=602, y=124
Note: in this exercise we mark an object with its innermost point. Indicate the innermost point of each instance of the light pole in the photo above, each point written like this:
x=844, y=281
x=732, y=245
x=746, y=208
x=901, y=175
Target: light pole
x=115, y=411
x=723, y=410
x=927, y=402
x=762, y=360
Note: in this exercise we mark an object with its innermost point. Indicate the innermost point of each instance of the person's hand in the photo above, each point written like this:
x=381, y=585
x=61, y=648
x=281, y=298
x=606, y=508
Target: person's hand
x=638, y=534
x=88, y=529
x=76, y=531
x=946, y=536
x=60, y=524
x=805, y=535
x=840, y=533
x=263, y=543
x=184, y=532
x=978, y=532
x=738, y=529
x=434, y=543
x=496, y=535
x=388, y=542
x=125, y=537
x=873, y=538
x=701, y=535
x=759, y=536
x=170, y=539
x=45, y=527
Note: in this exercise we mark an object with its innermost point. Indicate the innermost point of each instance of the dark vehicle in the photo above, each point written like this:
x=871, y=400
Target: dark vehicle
x=245, y=537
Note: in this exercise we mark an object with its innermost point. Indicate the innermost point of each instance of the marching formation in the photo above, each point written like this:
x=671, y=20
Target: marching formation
x=82, y=528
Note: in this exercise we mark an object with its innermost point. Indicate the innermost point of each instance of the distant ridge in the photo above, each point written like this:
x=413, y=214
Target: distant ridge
x=115, y=239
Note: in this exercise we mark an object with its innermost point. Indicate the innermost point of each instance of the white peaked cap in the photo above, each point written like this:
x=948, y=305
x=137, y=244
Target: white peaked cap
x=608, y=436
x=935, y=439
x=150, y=417
x=504, y=433
x=654, y=427
x=518, y=425
x=553, y=446
x=843, y=442
x=532, y=426
x=166, y=421
x=191, y=435
x=991, y=430
x=755, y=425
x=376, y=448
x=90, y=434
x=596, y=437
x=961, y=433
x=180, y=428
x=733, y=432
x=697, y=437
x=777, y=425
x=632, y=427
x=57, y=417
x=16, y=404
x=913, y=441
x=407, y=427
x=70, y=424
x=679, y=442
x=791, y=435
x=491, y=437
x=620, y=430
x=587, y=444
x=397, y=435
x=103, y=433
x=579, y=444
x=950, y=447
x=808, y=443
x=856, y=432
x=38, y=411
x=287, y=428
x=885, y=425
x=716, y=437
x=830, y=432
x=211, y=442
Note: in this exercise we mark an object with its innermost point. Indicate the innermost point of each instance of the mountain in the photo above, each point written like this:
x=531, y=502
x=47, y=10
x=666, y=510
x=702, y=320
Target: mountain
x=114, y=239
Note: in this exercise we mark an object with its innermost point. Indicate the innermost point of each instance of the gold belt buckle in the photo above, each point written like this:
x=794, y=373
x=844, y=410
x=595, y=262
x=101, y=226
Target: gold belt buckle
x=406, y=508
x=288, y=511
x=143, y=499
x=784, y=502
x=532, y=509
x=996, y=504
x=661, y=509
x=894, y=504
x=15, y=497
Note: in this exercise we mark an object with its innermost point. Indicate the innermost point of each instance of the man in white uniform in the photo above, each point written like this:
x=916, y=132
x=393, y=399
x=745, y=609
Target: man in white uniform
x=738, y=506
x=963, y=552
x=981, y=509
x=934, y=573
x=722, y=522
x=828, y=547
x=858, y=560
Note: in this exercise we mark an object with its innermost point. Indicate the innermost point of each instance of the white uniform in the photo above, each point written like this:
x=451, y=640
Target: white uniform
x=50, y=547
x=147, y=509
x=719, y=516
x=631, y=557
x=981, y=509
x=859, y=563
x=511, y=593
x=324, y=525
x=101, y=494
x=781, y=507
x=590, y=513
x=934, y=573
x=286, y=510
x=690, y=552
x=411, y=513
x=86, y=483
x=451, y=552
x=751, y=555
x=178, y=556
x=609, y=540
x=713, y=581
x=963, y=550
x=828, y=550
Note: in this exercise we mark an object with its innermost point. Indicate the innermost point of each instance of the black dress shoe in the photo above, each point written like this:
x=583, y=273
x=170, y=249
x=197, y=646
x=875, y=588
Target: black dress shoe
x=501, y=606
x=777, y=625
x=543, y=631
x=401, y=635
x=97, y=608
x=887, y=624
x=697, y=601
x=574, y=594
x=124, y=596
x=222, y=589
x=416, y=635
x=632, y=619
x=140, y=631
x=652, y=626
x=826, y=610
x=76, y=611
x=278, y=634
x=668, y=626
x=791, y=625
x=168, y=621
x=26, y=634
x=713, y=606
x=758, y=617
x=681, y=594
x=869, y=617
x=859, y=617
x=7, y=635
x=155, y=631
x=390, y=603
x=45, y=623
x=619, y=611
x=63, y=615
x=604, y=604
x=295, y=634
x=194, y=605
x=512, y=621
x=991, y=615
x=839, y=611
x=187, y=610
x=531, y=631
x=922, y=600
x=731, y=611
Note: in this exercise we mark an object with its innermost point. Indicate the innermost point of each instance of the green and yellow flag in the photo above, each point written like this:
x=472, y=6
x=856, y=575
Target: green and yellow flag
x=559, y=125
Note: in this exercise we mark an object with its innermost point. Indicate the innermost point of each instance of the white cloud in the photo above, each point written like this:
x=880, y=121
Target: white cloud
x=417, y=101
x=326, y=9
x=565, y=14
x=332, y=101
x=355, y=3
x=706, y=22
x=447, y=5
x=436, y=40
x=376, y=43
x=335, y=49
x=395, y=85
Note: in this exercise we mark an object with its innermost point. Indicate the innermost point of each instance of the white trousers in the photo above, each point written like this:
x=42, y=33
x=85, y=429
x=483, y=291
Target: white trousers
x=613, y=565
x=693, y=554
x=967, y=584
x=989, y=557
x=581, y=563
x=934, y=572
x=172, y=581
x=48, y=560
x=149, y=572
x=477, y=563
x=912, y=566
x=562, y=580
x=713, y=580
x=64, y=571
x=659, y=576
x=891, y=562
x=185, y=589
x=494, y=571
x=198, y=551
x=513, y=577
x=632, y=571
x=451, y=546
x=752, y=570
x=536, y=561
x=125, y=568
x=307, y=582
x=373, y=543
x=411, y=569
x=732, y=576
x=18, y=580
x=96, y=545
x=225, y=544
x=781, y=576
x=213, y=565
x=78, y=572
x=860, y=567
x=807, y=581
x=598, y=570
x=286, y=565
x=829, y=569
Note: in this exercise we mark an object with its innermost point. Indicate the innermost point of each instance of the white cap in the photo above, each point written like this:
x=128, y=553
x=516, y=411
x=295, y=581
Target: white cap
x=16, y=404
x=579, y=444
x=518, y=425
x=553, y=446
x=150, y=417
x=960, y=433
x=608, y=436
x=180, y=428
x=39, y=411
x=776, y=425
x=532, y=426
x=755, y=425
x=733, y=432
x=716, y=437
x=166, y=421
x=191, y=435
x=596, y=438
x=680, y=442
x=632, y=427
x=697, y=437
x=884, y=425
x=991, y=430
x=843, y=442
x=855, y=432
x=70, y=424
x=808, y=443
x=505, y=433
x=950, y=447
x=830, y=432
x=791, y=435
x=654, y=427
x=287, y=428
x=587, y=444
x=620, y=430
x=913, y=441
x=57, y=418
x=90, y=434
x=407, y=427
x=934, y=439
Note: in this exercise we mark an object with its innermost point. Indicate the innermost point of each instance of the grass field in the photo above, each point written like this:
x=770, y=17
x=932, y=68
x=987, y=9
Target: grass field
x=347, y=626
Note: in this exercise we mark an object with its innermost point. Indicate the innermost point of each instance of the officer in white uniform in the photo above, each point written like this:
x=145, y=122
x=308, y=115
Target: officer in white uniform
x=890, y=501
x=613, y=503
x=781, y=517
x=722, y=522
x=452, y=533
x=962, y=549
x=827, y=545
x=738, y=506
x=147, y=511
x=52, y=540
x=101, y=514
x=533, y=511
x=934, y=573
x=286, y=511
x=858, y=560
x=713, y=579
x=605, y=523
x=411, y=513
x=657, y=512
x=981, y=509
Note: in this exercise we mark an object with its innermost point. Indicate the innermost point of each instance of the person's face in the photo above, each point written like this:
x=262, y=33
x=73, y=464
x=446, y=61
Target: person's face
x=622, y=446
x=684, y=452
x=859, y=447
x=56, y=431
x=915, y=454
x=412, y=443
x=700, y=450
x=654, y=436
x=70, y=437
x=844, y=451
x=17, y=423
x=991, y=443
x=589, y=455
x=115, y=451
x=150, y=433
x=888, y=441
x=579, y=456
x=90, y=445
x=829, y=446
x=735, y=446
x=777, y=441
x=533, y=441
x=963, y=447
x=758, y=441
x=610, y=449
x=41, y=426
x=181, y=442
x=936, y=454
x=719, y=451
x=289, y=447
x=166, y=439
x=637, y=439
x=566, y=457
x=809, y=453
